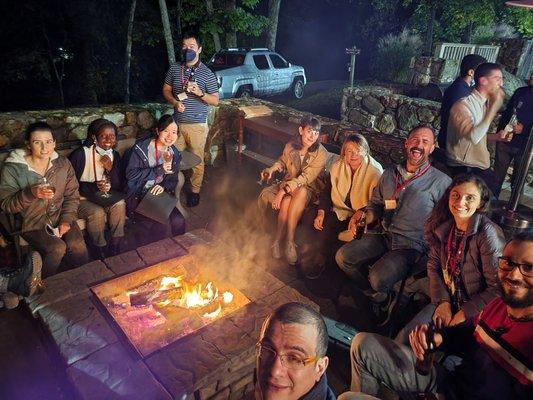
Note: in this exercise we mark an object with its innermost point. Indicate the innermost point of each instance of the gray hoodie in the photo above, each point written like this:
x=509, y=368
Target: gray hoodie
x=16, y=197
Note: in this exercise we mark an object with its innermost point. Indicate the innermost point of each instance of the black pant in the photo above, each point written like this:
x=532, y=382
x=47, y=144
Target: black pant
x=505, y=154
x=486, y=174
x=71, y=246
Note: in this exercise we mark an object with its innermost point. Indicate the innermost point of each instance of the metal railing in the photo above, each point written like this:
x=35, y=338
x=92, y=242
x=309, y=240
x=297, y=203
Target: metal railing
x=456, y=51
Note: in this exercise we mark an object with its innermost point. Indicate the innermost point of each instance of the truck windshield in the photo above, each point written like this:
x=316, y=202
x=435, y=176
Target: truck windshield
x=222, y=61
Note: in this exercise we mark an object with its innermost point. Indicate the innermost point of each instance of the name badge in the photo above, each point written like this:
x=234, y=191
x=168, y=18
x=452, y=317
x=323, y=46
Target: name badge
x=390, y=204
x=182, y=96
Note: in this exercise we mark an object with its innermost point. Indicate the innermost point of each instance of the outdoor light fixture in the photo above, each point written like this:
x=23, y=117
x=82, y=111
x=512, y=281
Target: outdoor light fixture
x=510, y=217
x=523, y=3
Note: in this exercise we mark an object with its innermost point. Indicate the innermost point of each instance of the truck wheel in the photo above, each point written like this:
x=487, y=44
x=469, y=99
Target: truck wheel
x=298, y=88
x=244, y=91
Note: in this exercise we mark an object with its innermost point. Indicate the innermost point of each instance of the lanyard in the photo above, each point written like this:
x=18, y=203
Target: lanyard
x=94, y=163
x=402, y=186
x=184, y=81
x=453, y=261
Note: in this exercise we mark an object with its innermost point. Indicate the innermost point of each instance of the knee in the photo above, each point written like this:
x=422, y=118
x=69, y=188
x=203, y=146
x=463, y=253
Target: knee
x=77, y=246
x=377, y=282
x=340, y=257
x=56, y=249
x=360, y=342
x=98, y=215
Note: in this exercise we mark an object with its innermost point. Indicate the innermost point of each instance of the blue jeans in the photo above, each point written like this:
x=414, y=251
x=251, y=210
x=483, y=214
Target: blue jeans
x=371, y=264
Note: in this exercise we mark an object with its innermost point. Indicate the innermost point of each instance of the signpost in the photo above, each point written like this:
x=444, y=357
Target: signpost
x=352, y=51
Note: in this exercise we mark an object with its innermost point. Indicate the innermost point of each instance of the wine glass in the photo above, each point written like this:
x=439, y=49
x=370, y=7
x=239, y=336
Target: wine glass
x=47, y=186
x=105, y=185
x=168, y=156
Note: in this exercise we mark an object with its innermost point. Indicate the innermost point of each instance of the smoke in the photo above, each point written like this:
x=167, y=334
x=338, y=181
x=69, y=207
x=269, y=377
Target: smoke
x=241, y=244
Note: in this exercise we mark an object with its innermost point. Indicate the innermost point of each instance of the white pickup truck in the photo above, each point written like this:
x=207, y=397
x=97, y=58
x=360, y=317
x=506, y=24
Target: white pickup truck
x=256, y=72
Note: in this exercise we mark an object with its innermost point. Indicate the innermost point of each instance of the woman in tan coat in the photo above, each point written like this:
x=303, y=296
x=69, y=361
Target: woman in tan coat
x=302, y=161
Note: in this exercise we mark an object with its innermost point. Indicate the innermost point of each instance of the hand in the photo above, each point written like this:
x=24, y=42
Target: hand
x=42, y=192
x=442, y=314
x=156, y=190
x=193, y=88
x=318, y=223
x=179, y=106
x=103, y=185
x=106, y=162
x=352, y=225
x=418, y=341
x=276, y=203
x=167, y=167
x=496, y=98
x=63, y=228
x=504, y=136
x=518, y=128
x=263, y=173
x=458, y=318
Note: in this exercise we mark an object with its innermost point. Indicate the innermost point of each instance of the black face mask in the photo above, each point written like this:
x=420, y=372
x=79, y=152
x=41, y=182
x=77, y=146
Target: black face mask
x=187, y=55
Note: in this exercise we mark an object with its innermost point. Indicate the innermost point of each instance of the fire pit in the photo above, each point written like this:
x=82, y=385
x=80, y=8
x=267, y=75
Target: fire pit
x=155, y=306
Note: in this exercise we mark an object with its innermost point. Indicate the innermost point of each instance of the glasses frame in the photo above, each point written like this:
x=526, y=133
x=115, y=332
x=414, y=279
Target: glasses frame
x=282, y=357
x=513, y=265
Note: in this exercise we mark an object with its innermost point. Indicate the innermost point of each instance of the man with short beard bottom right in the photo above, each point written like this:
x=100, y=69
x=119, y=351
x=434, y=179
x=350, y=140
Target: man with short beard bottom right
x=402, y=201
x=495, y=346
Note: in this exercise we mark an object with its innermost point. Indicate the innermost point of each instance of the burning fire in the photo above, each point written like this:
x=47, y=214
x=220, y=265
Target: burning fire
x=185, y=295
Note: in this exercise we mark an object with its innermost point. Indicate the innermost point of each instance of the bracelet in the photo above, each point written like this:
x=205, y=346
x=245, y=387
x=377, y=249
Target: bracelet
x=286, y=189
x=203, y=94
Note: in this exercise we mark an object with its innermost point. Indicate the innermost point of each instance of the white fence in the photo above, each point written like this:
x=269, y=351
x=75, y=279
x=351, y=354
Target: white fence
x=525, y=65
x=456, y=51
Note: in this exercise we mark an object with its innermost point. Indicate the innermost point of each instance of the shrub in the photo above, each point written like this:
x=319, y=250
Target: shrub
x=394, y=56
x=486, y=34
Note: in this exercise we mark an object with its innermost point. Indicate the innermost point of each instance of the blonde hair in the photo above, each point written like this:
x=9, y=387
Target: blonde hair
x=359, y=140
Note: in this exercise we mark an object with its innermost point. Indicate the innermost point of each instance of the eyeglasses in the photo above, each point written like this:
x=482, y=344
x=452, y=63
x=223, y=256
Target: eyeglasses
x=507, y=265
x=268, y=354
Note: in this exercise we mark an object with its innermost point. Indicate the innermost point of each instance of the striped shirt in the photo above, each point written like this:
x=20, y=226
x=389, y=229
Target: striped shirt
x=178, y=76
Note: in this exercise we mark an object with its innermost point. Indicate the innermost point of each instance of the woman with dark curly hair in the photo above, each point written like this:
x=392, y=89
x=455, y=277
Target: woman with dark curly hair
x=464, y=246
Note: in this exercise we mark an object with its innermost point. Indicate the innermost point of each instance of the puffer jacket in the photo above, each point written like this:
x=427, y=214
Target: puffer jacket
x=484, y=244
x=16, y=196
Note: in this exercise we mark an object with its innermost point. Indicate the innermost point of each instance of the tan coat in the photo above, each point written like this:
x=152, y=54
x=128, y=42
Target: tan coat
x=298, y=173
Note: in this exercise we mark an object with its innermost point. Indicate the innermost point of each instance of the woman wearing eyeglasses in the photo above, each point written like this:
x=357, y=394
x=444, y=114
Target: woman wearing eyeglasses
x=302, y=162
x=464, y=246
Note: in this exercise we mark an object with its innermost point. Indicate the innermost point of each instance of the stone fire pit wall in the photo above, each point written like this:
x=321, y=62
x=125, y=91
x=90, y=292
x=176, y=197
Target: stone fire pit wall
x=381, y=114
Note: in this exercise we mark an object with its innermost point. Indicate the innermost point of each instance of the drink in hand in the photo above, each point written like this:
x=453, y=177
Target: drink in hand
x=167, y=157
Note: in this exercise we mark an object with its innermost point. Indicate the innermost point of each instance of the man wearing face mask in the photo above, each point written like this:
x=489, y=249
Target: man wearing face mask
x=191, y=87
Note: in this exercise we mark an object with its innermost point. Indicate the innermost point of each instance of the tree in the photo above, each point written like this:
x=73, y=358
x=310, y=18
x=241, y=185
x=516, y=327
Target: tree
x=167, y=32
x=129, y=41
x=214, y=32
x=272, y=28
x=231, y=29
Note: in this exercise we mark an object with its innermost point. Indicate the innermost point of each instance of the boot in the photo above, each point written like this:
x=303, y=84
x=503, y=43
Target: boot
x=114, y=248
x=193, y=199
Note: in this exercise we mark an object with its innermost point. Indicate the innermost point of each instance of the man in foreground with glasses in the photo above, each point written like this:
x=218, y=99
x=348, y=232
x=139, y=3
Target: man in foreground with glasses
x=495, y=346
x=291, y=355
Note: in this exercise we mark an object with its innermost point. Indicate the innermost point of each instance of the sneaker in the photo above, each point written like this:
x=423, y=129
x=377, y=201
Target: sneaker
x=290, y=253
x=316, y=271
x=276, y=250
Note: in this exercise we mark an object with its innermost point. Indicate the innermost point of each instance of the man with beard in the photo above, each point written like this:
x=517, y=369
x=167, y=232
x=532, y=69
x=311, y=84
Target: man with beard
x=519, y=108
x=495, y=346
x=469, y=123
x=190, y=87
x=291, y=355
x=403, y=200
